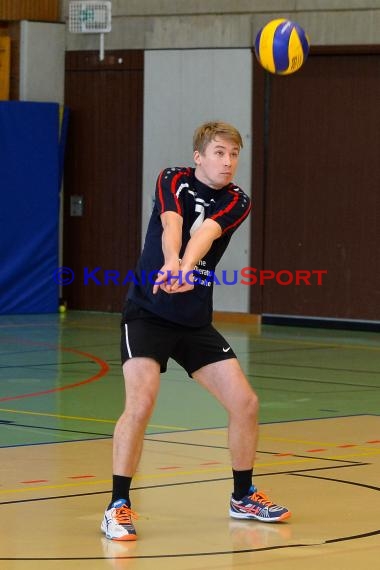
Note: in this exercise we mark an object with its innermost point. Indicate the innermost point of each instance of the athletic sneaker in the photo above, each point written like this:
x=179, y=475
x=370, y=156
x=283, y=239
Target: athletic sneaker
x=257, y=506
x=117, y=522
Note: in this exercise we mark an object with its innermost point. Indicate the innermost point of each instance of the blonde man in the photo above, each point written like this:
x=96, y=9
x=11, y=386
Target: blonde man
x=168, y=313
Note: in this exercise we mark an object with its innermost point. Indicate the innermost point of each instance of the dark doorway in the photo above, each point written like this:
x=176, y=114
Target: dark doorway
x=316, y=185
x=103, y=176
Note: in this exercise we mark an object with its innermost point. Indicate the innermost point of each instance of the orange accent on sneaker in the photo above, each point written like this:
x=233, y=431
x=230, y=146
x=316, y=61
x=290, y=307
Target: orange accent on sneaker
x=123, y=515
x=286, y=515
x=262, y=498
x=126, y=537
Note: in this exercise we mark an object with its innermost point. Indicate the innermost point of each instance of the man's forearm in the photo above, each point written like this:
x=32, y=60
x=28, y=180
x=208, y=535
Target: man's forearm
x=200, y=243
x=171, y=236
x=171, y=244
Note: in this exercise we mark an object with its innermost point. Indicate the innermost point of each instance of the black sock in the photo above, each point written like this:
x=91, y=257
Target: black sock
x=242, y=483
x=120, y=488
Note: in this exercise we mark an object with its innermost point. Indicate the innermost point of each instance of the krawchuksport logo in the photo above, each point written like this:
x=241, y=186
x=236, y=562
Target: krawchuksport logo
x=246, y=276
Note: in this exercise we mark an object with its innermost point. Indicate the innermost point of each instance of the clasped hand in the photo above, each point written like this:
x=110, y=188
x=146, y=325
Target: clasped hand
x=174, y=278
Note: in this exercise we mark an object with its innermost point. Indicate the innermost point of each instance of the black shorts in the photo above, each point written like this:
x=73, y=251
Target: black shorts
x=144, y=334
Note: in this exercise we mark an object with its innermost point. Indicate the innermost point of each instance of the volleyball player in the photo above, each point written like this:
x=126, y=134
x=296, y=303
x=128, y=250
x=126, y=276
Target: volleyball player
x=168, y=313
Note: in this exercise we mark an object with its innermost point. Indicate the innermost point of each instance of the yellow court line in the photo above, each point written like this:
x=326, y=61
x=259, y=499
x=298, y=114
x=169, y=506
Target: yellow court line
x=173, y=474
x=62, y=417
x=59, y=416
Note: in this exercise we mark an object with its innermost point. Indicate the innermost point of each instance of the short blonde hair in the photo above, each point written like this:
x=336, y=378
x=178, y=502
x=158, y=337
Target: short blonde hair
x=207, y=132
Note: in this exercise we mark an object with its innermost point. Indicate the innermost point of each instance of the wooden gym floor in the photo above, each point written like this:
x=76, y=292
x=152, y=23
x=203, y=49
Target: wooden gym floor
x=319, y=452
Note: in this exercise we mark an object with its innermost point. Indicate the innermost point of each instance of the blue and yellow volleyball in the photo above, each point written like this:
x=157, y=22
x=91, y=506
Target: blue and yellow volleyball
x=282, y=46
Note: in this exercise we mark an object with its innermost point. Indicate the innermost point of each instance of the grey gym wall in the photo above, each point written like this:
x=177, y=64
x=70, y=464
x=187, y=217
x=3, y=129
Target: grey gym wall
x=183, y=88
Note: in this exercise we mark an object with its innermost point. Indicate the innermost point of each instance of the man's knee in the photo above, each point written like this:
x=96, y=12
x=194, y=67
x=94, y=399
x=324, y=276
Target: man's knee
x=248, y=408
x=244, y=407
x=140, y=409
x=252, y=405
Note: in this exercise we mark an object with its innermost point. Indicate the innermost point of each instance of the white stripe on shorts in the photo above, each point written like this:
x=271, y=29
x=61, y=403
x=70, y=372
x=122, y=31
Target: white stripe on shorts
x=127, y=341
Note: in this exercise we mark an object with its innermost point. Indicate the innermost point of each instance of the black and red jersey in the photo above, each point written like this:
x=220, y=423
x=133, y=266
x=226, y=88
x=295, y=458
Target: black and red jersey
x=178, y=190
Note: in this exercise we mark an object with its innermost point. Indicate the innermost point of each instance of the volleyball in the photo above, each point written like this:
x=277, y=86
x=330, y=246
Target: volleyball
x=281, y=46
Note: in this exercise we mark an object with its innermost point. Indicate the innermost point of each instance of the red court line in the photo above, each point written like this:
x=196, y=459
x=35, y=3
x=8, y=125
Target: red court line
x=104, y=369
x=80, y=476
x=36, y=481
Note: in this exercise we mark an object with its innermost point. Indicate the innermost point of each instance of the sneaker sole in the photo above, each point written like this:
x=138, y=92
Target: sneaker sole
x=125, y=537
x=247, y=516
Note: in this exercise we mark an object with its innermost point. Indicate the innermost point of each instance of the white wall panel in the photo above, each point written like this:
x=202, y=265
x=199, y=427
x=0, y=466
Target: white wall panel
x=183, y=88
x=42, y=62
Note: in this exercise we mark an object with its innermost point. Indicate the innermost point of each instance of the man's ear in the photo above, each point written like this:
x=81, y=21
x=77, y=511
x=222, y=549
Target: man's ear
x=196, y=157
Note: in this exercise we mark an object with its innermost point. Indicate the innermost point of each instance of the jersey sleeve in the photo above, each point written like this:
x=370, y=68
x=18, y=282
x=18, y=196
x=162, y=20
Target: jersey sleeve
x=169, y=186
x=233, y=210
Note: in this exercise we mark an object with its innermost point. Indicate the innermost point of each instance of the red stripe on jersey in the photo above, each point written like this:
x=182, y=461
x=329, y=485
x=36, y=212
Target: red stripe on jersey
x=160, y=193
x=228, y=208
x=237, y=222
x=172, y=190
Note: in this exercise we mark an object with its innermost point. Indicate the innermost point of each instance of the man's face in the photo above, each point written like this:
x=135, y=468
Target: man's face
x=217, y=165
